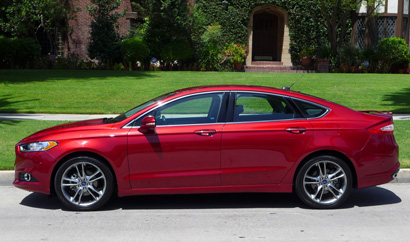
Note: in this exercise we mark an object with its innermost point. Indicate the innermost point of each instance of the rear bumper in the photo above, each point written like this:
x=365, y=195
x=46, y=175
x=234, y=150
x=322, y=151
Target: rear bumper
x=380, y=178
x=378, y=162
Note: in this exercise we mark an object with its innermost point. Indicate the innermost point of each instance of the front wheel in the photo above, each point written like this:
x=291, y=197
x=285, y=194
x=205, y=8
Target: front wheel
x=83, y=183
x=324, y=182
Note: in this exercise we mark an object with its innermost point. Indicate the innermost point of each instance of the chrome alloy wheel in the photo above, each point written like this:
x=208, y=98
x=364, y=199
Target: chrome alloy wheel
x=83, y=184
x=325, y=182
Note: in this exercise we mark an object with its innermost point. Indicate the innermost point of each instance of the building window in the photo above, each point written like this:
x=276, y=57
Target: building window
x=360, y=30
x=385, y=28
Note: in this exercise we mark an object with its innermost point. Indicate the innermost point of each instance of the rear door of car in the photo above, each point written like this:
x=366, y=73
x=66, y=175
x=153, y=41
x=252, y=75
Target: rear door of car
x=262, y=139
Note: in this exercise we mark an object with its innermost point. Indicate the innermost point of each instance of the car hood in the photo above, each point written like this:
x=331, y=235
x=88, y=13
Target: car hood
x=77, y=127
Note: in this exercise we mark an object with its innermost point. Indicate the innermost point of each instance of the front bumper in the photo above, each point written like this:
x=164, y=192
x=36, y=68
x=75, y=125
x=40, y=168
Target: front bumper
x=39, y=166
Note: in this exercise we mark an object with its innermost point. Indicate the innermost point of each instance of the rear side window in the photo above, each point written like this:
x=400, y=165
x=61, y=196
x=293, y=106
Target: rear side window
x=310, y=110
x=261, y=107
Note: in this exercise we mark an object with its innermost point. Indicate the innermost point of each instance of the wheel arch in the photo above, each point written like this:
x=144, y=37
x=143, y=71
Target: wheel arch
x=328, y=153
x=77, y=154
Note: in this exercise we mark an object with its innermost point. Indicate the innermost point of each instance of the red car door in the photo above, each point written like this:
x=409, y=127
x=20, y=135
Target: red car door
x=264, y=139
x=184, y=150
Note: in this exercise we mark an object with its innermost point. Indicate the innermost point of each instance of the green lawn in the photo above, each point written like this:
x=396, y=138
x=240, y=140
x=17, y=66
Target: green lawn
x=77, y=91
x=12, y=131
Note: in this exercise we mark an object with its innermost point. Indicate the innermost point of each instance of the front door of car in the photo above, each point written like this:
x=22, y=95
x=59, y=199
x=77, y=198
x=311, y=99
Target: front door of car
x=263, y=140
x=183, y=150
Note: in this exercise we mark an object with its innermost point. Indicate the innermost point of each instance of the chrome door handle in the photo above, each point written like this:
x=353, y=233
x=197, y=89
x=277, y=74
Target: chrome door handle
x=296, y=130
x=205, y=132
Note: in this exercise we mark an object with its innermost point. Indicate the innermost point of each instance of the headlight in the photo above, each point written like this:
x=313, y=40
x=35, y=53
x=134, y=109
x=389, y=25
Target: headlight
x=38, y=146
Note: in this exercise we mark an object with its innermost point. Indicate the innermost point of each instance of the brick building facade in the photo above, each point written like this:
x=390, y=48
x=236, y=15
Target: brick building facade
x=77, y=42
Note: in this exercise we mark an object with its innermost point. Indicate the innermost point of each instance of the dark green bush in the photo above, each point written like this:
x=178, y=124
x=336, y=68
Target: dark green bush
x=348, y=56
x=177, y=50
x=17, y=52
x=210, y=48
x=324, y=51
x=393, y=53
x=134, y=49
x=370, y=56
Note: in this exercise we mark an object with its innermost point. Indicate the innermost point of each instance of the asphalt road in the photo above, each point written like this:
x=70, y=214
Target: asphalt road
x=373, y=214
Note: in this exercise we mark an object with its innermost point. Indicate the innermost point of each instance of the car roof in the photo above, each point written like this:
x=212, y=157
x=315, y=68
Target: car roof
x=233, y=87
x=246, y=88
x=254, y=88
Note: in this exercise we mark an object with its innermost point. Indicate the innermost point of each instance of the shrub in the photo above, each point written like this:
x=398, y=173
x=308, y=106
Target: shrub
x=17, y=52
x=211, y=47
x=348, y=56
x=324, y=51
x=393, y=53
x=370, y=56
x=308, y=51
x=119, y=67
x=177, y=50
x=236, y=52
x=134, y=49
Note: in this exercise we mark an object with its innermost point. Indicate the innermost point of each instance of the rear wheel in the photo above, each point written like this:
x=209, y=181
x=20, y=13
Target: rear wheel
x=324, y=182
x=83, y=183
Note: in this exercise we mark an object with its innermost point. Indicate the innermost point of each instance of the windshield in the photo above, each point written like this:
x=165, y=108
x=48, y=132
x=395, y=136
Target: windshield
x=138, y=108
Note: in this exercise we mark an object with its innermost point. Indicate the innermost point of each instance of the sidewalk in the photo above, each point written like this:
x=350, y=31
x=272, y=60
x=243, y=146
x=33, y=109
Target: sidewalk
x=54, y=117
x=79, y=117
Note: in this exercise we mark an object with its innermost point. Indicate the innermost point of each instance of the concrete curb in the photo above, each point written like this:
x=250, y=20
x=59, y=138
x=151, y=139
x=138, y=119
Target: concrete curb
x=7, y=177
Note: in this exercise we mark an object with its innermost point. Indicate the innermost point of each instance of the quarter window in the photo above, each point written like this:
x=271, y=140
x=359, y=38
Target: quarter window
x=261, y=107
x=310, y=110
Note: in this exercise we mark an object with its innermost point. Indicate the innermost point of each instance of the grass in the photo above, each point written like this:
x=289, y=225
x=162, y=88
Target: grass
x=402, y=135
x=12, y=131
x=68, y=91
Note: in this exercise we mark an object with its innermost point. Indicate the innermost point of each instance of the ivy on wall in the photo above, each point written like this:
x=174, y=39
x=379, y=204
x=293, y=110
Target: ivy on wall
x=303, y=29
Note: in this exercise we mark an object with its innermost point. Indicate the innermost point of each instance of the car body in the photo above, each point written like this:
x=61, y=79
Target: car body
x=213, y=139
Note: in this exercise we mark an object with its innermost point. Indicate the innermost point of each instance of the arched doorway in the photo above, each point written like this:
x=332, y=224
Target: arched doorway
x=265, y=37
x=268, y=36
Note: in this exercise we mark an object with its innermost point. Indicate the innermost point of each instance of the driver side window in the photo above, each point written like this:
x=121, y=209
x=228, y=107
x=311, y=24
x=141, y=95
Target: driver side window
x=198, y=109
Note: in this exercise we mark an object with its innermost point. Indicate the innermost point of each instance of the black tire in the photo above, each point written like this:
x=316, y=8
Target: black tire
x=80, y=192
x=324, y=182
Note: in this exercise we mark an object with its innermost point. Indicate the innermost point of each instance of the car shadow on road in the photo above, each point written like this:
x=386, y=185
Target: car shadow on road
x=374, y=196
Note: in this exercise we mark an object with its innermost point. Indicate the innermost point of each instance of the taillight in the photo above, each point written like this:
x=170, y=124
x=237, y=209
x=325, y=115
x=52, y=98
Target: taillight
x=383, y=128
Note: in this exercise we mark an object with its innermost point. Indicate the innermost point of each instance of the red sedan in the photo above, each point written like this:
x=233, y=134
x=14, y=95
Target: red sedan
x=213, y=139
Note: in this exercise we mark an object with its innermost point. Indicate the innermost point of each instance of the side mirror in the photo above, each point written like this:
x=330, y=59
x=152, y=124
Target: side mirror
x=147, y=124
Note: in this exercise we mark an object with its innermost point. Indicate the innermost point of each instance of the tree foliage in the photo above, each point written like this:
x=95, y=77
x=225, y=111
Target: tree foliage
x=339, y=16
x=104, y=40
x=168, y=20
x=25, y=18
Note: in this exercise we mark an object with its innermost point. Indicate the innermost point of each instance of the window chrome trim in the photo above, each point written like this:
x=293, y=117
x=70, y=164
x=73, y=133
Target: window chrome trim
x=178, y=125
x=127, y=126
x=233, y=122
x=283, y=96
